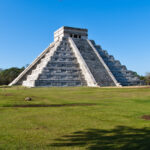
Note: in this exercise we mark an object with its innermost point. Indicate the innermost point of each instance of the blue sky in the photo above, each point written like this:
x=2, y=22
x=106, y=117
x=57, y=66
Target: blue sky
x=122, y=27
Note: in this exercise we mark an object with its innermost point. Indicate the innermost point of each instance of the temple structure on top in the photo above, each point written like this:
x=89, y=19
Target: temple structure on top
x=74, y=60
x=70, y=32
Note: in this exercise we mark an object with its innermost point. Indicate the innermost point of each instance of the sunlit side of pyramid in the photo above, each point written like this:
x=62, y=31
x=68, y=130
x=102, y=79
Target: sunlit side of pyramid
x=73, y=60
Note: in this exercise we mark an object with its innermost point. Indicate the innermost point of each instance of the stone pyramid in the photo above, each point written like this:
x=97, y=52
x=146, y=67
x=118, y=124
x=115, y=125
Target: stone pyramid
x=73, y=60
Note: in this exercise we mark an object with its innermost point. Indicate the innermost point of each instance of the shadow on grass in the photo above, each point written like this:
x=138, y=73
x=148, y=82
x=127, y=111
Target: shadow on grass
x=51, y=105
x=119, y=138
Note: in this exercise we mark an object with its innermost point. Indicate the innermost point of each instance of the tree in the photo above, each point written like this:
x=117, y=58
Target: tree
x=147, y=78
x=8, y=75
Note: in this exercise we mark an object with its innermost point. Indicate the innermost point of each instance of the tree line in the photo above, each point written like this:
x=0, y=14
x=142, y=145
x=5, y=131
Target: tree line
x=146, y=78
x=8, y=75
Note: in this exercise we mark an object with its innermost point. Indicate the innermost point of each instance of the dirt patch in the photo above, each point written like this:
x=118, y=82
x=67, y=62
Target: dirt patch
x=146, y=117
x=7, y=94
x=39, y=128
x=54, y=105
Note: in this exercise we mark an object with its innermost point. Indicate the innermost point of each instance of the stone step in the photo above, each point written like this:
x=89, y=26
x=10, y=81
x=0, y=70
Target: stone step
x=69, y=73
x=61, y=68
x=60, y=76
x=64, y=61
x=57, y=58
x=41, y=64
x=63, y=53
x=64, y=49
x=59, y=83
x=51, y=64
x=62, y=71
x=28, y=83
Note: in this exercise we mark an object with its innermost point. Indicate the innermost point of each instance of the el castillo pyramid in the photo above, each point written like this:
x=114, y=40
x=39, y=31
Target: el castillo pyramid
x=73, y=60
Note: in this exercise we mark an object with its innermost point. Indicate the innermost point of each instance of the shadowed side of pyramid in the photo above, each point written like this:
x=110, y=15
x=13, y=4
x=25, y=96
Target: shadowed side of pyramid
x=124, y=76
x=73, y=60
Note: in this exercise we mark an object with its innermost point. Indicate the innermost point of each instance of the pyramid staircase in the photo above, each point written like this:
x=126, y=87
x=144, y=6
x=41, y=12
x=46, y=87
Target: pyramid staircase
x=96, y=66
x=73, y=60
x=59, y=67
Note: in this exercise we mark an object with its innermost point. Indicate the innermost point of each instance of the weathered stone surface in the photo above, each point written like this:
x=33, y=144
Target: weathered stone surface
x=123, y=76
x=62, y=70
x=96, y=67
x=73, y=60
x=28, y=99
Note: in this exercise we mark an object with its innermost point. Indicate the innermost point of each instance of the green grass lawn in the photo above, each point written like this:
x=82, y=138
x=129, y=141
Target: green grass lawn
x=74, y=118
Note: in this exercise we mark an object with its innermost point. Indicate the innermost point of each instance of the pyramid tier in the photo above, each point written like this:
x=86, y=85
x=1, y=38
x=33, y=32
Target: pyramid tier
x=123, y=76
x=60, y=69
x=96, y=67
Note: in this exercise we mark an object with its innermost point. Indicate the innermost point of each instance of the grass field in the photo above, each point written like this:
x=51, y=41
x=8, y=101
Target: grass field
x=74, y=118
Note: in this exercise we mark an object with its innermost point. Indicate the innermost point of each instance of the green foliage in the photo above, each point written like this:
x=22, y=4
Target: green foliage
x=147, y=78
x=136, y=74
x=8, y=75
